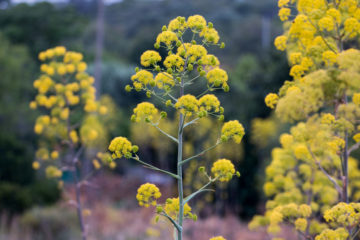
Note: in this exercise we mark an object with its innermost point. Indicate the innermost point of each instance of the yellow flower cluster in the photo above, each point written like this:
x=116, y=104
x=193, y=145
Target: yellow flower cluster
x=196, y=22
x=50, y=53
x=329, y=58
x=177, y=24
x=291, y=212
x=209, y=103
x=147, y=194
x=42, y=153
x=344, y=214
x=96, y=164
x=41, y=123
x=164, y=80
x=144, y=111
x=103, y=159
x=172, y=209
x=223, y=169
x=35, y=165
x=280, y=43
x=193, y=52
x=120, y=147
x=271, y=100
x=61, y=92
x=356, y=98
x=218, y=238
x=218, y=77
x=53, y=172
x=284, y=14
x=338, y=234
x=174, y=61
x=232, y=130
x=327, y=118
x=188, y=104
x=166, y=37
x=149, y=58
x=179, y=53
x=92, y=131
x=141, y=79
x=210, y=60
x=210, y=35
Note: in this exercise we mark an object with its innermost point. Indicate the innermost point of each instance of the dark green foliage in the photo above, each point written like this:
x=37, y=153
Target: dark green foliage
x=19, y=189
x=41, y=26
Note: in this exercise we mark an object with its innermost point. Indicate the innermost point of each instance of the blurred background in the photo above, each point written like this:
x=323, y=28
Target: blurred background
x=112, y=34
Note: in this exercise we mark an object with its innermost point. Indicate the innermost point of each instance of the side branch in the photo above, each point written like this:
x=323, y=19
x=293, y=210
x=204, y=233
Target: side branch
x=154, y=168
x=199, y=154
x=166, y=134
x=338, y=188
x=200, y=190
x=353, y=148
x=177, y=226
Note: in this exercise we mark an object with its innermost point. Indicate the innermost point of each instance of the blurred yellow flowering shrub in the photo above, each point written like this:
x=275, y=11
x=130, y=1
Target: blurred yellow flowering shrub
x=313, y=167
x=74, y=121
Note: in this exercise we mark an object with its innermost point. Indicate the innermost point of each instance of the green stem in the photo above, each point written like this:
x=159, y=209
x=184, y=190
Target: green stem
x=179, y=167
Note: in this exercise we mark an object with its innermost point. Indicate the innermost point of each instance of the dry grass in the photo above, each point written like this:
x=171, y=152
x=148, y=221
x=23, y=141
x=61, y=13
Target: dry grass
x=116, y=216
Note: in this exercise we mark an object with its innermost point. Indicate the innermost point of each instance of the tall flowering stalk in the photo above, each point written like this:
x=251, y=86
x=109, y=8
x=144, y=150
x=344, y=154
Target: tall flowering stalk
x=72, y=121
x=183, y=68
x=313, y=179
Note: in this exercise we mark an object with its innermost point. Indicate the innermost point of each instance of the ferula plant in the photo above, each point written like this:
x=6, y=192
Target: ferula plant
x=186, y=67
x=71, y=124
x=313, y=180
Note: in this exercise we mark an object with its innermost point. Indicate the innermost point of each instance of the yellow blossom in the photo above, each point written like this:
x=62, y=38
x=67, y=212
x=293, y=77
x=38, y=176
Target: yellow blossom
x=284, y=14
x=144, y=111
x=54, y=154
x=280, y=43
x=164, y=80
x=218, y=77
x=210, y=35
x=166, y=37
x=36, y=165
x=141, y=79
x=301, y=224
x=174, y=61
x=218, y=238
x=196, y=22
x=147, y=194
x=356, y=98
x=96, y=164
x=177, y=24
x=271, y=100
x=53, y=172
x=223, y=169
x=172, y=208
x=232, y=130
x=187, y=104
x=149, y=58
x=120, y=146
x=209, y=102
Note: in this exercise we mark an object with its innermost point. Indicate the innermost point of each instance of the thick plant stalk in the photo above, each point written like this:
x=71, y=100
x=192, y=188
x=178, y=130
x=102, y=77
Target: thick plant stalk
x=179, y=168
